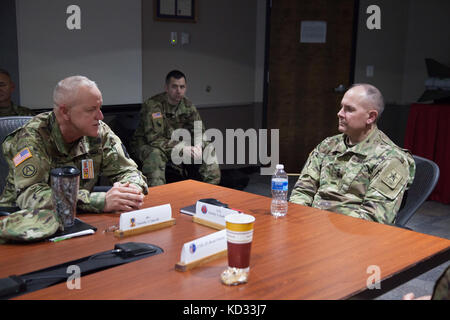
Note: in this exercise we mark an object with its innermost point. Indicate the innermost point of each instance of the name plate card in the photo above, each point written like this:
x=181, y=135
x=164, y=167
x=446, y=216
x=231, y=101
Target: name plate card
x=144, y=220
x=211, y=215
x=145, y=217
x=202, y=250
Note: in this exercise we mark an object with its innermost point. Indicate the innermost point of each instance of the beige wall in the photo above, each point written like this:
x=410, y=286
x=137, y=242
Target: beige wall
x=222, y=52
x=428, y=37
x=107, y=49
x=411, y=30
x=384, y=49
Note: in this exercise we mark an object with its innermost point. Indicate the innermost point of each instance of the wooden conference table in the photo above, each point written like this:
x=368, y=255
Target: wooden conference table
x=309, y=254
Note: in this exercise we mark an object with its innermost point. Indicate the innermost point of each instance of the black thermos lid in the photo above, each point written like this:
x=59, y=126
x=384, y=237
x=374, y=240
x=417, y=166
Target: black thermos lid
x=67, y=171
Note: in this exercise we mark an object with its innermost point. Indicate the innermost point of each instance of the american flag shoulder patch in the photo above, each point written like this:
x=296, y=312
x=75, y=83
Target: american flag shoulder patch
x=156, y=115
x=23, y=155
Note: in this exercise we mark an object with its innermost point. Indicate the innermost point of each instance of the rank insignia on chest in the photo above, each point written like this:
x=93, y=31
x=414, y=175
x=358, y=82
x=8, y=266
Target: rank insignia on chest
x=156, y=115
x=87, y=167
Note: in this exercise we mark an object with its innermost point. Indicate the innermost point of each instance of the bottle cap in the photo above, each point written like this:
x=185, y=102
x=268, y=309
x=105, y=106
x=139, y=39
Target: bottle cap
x=280, y=167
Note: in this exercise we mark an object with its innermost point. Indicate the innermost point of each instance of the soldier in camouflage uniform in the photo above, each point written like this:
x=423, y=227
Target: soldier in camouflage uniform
x=361, y=172
x=152, y=144
x=441, y=289
x=29, y=225
x=71, y=135
x=7, y=107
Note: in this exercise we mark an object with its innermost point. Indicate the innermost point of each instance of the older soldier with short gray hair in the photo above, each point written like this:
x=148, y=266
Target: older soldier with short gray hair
x=360, y=172
x=73, y=134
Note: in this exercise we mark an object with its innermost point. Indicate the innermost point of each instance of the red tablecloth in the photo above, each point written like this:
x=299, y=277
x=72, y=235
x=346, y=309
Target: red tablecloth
x=428, y=136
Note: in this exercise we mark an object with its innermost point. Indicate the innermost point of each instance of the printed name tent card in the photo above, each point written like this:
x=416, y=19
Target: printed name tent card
x=211, y=215
x=145, y=217
x=144, y=220
x=202, y=250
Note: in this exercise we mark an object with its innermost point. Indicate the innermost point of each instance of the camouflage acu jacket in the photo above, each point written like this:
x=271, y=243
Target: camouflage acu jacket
x=15, y=110
x=38, y=147
x=158, y=119
x=442, y=287
x=366, y=180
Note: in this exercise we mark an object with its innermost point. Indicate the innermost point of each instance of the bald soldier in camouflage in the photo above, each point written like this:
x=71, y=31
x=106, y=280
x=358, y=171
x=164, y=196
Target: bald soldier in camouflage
x=160, y=116
x=360, y=172
x=71, y=135
x=7, y=107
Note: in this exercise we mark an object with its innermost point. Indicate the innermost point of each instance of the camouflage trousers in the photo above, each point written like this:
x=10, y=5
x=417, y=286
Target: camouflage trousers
x=156, y=166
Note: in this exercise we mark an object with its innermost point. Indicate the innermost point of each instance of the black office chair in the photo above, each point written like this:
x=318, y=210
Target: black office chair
x=8, y=125
x=427, y=175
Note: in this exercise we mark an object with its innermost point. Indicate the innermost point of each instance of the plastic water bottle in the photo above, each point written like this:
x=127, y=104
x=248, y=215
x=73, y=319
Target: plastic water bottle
x=279, y=205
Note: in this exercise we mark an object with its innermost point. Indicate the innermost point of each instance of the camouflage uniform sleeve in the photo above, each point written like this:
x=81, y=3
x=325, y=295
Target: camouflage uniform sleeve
x=195, y=117
x=441, y=289
x=29, y=225
x=138, y=144
x=117, y=164
x=386, y=189
x=308, y=183
x=91, y=201
x=151, y=131
x=22, y=111
x=154, y=128
x=31, y=177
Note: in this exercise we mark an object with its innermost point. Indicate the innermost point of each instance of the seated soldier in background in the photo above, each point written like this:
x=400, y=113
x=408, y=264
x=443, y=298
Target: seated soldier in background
x=7, y=107
x=360, y=172
x=160, y=116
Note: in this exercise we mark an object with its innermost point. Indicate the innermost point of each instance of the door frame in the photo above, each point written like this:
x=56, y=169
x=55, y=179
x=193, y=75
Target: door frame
x=267, y=55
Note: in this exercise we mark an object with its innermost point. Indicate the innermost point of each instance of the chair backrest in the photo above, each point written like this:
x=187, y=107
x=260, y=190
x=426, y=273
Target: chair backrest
x=427, y=175
x=8, y=125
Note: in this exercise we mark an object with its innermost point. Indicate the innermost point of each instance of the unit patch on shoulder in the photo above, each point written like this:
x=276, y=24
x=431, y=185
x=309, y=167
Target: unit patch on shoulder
x=392, y=178
x=23, y=155
x=29, y=171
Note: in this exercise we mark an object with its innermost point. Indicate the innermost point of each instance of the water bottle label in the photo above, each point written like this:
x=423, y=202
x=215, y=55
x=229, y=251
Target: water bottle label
x=281, y=185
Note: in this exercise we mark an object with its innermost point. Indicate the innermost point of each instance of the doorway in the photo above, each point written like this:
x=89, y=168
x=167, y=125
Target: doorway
x=305, y=80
